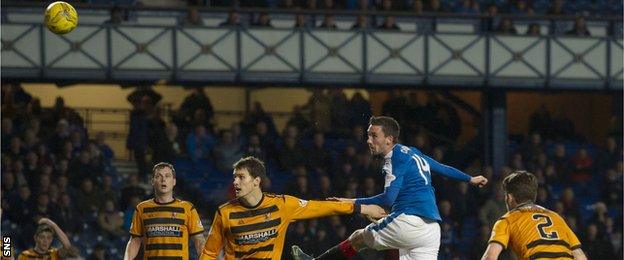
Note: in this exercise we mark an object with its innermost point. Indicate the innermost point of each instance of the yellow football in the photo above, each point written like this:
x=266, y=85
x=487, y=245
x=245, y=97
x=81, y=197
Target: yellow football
x=61, y=17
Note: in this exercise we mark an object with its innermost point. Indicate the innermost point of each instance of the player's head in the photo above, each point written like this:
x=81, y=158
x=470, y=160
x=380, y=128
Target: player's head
x=43, y=237
x=248, y=175
x=383, y=133
x=520, y=187
x=163, y=178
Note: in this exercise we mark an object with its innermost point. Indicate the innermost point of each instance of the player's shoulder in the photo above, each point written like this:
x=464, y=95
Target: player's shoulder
x=274, y=196
x=184, y=203
x=28, y=252
x=401, y=153
x=528, y=211
x=145, y=203
x=230, y=203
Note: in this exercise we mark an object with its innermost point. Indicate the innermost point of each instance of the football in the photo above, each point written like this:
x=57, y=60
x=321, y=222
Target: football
x=61, y=17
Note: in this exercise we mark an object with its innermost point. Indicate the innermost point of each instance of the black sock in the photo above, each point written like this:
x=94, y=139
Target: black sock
x=333, y=253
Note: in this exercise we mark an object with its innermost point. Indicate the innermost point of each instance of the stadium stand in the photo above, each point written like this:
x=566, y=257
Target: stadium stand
x=52, y=168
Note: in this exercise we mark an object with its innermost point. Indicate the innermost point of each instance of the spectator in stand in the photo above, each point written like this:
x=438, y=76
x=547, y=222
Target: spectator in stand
x=301, y=21
x=389, y=23
x=396, y=106
x=325, y=189
x=319, y=108
x=263, y=20
x=580, y=28
x=560, y=162
x=232, y=20
x=328, y=22
x=227, y=152
x=328, y=5
x=534, y=30
x=520, y=7
x=506, y=27
x=43, y=208
x=494, y=207
x=110, y=220
x=88, y=199
x=612, y=189
x=300, y=188
x=116, y=16
x=340, y=112
x=137, y=139
x=596, y=245
x=68, y=218
x=570, y=205
x=131, y=190
x=467, y=7
x=557, y=8
x=318, y=156
x=291, y=154
x=417, y=7
x=540, y=122
x=256, y=115
x=254, y=148
x=300, y=121
x=582, y=166
x=435, y=7
x=199, y=144
x=196, y=100
x=192, y=18
x=361, y=22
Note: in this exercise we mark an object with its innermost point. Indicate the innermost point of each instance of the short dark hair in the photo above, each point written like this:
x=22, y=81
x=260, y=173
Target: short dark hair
x=44, y=228
x=254, y=166
x=522, y=185
x=162, y=165
x=389, y=126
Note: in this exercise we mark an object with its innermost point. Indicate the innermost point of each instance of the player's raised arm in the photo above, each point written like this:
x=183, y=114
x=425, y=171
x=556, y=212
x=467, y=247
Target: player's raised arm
x=306, y=209
x=394, y=181
x=214, y=242
x=452, y=172
x=59, y=232
x=579, y=254
x=492, y=251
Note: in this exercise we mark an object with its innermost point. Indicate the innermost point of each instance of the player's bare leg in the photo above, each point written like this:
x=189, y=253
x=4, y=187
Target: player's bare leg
x=345, y=250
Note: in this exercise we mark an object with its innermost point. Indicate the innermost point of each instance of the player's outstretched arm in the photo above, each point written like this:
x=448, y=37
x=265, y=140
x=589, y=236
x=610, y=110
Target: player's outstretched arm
x=492, y=251
x=132, y=248
x=61, y=235
x=579, y=254
x=304, y=209
x=199, y=241
x=214, y=242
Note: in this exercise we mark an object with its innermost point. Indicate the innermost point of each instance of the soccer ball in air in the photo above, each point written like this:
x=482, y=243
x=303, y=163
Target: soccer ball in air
x=61, y=17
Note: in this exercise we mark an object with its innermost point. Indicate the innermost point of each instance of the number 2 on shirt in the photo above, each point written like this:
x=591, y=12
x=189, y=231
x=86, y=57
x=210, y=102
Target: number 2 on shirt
x=423, y=167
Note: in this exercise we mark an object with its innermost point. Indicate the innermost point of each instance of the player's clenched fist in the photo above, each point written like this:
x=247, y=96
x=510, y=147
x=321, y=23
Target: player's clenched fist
x=478, y=181
x=373, y=211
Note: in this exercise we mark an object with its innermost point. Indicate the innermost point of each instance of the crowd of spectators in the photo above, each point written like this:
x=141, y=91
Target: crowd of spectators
x=492, y=9
x=51, y=168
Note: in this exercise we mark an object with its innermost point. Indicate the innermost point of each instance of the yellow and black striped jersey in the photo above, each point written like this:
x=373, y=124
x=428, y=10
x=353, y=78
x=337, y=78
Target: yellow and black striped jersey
x=534, y=232
x=51, y=254
x=259, y=232
x=166, y=228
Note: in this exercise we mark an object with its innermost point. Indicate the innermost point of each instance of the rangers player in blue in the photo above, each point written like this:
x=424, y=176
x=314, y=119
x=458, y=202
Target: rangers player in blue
x=412, y=226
